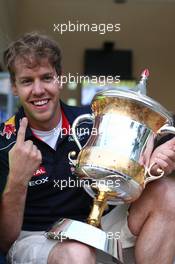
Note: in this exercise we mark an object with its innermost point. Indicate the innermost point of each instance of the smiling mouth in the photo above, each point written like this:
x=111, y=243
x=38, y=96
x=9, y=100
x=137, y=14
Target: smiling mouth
x=40, y=103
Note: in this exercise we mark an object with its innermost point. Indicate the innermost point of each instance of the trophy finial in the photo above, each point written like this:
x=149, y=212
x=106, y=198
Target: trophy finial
x=141, y=87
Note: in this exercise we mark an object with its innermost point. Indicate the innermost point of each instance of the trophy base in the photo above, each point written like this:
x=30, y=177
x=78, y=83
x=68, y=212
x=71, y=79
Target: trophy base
x=108, y=246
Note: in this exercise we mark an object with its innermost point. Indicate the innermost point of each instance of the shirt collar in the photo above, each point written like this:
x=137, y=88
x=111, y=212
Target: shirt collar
x=70, y=112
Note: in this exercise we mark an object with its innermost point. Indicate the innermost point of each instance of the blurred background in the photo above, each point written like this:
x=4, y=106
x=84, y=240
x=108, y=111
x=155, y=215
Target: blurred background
x=146, y=40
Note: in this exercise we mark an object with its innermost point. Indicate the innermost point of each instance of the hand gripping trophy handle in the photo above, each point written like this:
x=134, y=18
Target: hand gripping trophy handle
x=163, y=130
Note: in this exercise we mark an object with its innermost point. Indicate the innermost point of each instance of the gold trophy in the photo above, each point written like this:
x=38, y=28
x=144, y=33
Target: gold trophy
x=116, y=160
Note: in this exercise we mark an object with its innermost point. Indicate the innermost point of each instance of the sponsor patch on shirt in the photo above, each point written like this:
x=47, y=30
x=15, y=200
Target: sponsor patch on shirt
x=40, y=171
x=38, y=182
x=9, y=128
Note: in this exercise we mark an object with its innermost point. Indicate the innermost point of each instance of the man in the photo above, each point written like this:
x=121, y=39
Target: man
x=33, y=157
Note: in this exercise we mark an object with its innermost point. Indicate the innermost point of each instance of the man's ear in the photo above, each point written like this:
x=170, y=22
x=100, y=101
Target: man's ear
x=60, y=81
x=60, y=84
x=14, y=90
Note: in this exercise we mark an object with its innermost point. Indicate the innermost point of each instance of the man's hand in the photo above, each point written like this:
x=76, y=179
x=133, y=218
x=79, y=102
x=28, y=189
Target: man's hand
x=164, y=157
x=24, y=157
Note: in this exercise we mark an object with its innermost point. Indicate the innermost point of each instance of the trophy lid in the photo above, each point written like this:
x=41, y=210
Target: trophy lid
x=136, y=96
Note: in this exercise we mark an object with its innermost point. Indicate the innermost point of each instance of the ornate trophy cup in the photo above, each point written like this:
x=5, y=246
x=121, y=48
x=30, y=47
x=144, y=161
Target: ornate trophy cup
x=115, y=159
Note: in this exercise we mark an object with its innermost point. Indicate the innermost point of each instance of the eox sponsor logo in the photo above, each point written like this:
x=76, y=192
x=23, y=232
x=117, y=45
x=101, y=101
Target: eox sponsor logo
x=39, y=181
x=39, y=172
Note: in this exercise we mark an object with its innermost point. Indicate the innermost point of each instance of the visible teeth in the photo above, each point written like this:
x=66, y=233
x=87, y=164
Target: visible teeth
x=43, y=102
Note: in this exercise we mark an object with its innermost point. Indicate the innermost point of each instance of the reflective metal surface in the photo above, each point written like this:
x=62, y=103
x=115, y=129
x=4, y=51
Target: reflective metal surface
x=90, y=235
x=116, y=157
x=125, y=125
x=137, y=106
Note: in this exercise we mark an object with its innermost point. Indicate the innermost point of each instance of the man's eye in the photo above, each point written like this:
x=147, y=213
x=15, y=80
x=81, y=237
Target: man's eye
x=48, y=78
x=25, y=82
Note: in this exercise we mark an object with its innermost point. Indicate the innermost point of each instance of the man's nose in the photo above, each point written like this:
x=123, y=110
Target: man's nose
x=38, y=87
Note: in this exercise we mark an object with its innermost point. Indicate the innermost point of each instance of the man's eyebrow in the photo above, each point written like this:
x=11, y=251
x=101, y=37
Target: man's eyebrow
x=48, y=73
x=24, y=77
x=29, y=76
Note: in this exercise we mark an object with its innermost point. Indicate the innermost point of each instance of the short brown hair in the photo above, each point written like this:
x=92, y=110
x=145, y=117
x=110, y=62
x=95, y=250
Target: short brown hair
x=32, y=48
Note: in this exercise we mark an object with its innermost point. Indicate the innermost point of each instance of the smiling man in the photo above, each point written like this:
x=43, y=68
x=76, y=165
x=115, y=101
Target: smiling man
x=33, y=157
x=38, y=94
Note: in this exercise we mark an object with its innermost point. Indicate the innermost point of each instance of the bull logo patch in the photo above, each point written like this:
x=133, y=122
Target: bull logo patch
x=9, y=128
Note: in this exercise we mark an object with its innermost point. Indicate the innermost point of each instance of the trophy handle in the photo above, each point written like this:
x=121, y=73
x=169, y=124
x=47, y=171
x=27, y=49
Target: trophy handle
x=75, y=124
x=163, y=130
x=166, y=129
x=151, y=176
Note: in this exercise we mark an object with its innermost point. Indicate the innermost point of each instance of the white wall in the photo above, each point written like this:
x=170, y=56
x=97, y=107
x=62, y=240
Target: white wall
x=6, y=27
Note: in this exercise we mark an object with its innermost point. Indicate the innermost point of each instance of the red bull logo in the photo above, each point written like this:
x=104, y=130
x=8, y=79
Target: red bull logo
x=9, y=128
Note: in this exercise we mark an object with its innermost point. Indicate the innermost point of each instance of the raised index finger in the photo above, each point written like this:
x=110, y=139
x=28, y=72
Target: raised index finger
x=22, y=131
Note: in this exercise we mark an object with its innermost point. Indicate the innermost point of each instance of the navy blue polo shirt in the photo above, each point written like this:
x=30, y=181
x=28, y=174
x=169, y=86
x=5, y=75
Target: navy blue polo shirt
x=53, y=191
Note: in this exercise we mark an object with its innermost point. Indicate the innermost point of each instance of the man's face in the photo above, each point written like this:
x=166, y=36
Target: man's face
x=39, y=94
